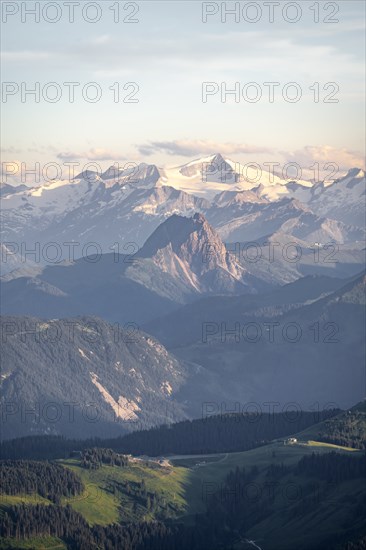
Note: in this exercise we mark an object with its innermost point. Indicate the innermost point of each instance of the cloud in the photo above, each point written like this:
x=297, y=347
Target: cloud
x=91, y=154
x=189, y=148
x=323, y=154
x=10, y=150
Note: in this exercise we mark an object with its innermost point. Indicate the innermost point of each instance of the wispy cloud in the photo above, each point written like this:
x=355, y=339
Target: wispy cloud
x=324, y=154
x=189, y=148
x=97, y=154
x=10, y=150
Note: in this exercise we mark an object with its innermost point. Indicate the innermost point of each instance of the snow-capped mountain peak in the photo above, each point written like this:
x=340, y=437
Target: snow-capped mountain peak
x=126, y=205
x=343, y=200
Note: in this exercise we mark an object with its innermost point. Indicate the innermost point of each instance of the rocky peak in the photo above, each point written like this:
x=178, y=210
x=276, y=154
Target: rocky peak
x=193, y=251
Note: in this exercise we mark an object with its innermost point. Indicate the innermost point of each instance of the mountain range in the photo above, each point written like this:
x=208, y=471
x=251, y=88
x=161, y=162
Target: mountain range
x=119, y=209
x=235, y=292
x=302, y=343
x=184, y=259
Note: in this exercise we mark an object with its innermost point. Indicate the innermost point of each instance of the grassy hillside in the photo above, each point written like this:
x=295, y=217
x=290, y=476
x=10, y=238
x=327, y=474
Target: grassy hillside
x=110, y=494
x=207, y=474
x=106, y=498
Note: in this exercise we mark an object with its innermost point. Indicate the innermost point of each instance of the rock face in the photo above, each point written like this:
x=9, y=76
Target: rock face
x=191, y=251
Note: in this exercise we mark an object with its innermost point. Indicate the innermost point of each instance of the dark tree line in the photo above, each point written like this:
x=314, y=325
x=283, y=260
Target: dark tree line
x=215, y=434
x=22, y=522
x=46, y=479
x=332, y=467
x=218, y=434
x=94, y=458
x=43, y=447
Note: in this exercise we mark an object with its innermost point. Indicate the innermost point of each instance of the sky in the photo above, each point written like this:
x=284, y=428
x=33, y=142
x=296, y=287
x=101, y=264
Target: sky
x=159, y=55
